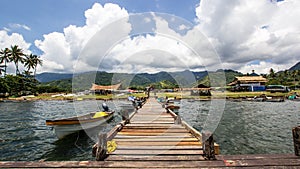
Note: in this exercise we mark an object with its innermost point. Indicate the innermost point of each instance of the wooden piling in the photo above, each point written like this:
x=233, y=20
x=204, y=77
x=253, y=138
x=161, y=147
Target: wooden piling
x=208, y=146
x=101, y=152
x=296, y=139
x=178, y=120
x=125, y=116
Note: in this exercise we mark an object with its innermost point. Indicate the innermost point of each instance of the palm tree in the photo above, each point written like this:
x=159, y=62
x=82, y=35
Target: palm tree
x=2, y=69
x=16, y=55
x=29, y=62
x=4, y=57
x=294, y=75
x=32, y=61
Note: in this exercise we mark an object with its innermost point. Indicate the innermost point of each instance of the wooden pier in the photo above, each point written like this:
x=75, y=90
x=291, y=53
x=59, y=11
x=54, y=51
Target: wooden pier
x=154, y=137
x=155, y=133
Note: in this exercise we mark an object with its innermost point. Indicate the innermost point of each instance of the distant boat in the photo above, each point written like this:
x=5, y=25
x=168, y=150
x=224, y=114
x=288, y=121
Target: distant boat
x=64, y=127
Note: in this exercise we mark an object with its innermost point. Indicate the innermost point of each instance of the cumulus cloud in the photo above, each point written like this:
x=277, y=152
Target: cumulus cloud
x=60, y=50
x=114, y=41
x=240, y=30
x=243, y=31
x=7, y=40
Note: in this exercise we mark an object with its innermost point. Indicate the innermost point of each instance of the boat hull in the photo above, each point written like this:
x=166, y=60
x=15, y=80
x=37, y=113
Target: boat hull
x=66, y=127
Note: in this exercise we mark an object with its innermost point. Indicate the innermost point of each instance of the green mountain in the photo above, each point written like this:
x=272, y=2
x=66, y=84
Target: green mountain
x=84, y=81
x=295, y=67
x=48, y=77
x=217, y=79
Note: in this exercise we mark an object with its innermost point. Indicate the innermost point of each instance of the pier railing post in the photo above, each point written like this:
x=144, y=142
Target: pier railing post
x=296, y=139
x=208, y=146
x=125, y=116
x=177, y=120
x=101, y=151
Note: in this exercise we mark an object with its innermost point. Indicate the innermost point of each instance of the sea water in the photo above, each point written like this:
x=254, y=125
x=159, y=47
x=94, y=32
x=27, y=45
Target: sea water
x=242, y=128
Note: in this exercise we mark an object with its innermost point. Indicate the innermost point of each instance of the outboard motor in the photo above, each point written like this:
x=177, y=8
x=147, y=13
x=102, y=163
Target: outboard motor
x=105, y=107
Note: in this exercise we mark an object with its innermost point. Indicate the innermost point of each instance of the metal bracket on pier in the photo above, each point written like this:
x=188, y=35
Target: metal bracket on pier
x=208, y=146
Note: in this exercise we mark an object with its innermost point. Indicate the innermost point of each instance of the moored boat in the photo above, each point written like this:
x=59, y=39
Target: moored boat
x=64, y=127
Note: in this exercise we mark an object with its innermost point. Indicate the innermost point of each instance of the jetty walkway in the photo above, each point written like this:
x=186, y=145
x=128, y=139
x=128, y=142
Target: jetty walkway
x=153, y=134
x=154, y=137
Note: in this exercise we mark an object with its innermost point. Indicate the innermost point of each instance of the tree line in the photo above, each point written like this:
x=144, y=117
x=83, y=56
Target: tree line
x=288, y=78
x=20, y=83
x=16, y=55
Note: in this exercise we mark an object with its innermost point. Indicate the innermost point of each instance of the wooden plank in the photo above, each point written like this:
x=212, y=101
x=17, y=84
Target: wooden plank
x=136, y=147
x=113, y=164
x=153, y=137
x=257, y=156
x=182, y=161
x=156, y=139
x=165, y=143
x=149, y=134
x=156, y=152
x=144, y=130
x=152, y=119
x=153, y=127
x=262, y=162
x=154, y=158
x=150, y=124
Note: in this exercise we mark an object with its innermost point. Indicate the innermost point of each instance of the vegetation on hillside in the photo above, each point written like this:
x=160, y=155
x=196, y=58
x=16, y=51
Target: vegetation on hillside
x=21, y=82
x=288, y=78
x=164, y=80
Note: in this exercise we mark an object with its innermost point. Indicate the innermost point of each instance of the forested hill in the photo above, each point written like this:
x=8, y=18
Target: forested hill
x=48, y=77
x=295, y=67
x=159, y=80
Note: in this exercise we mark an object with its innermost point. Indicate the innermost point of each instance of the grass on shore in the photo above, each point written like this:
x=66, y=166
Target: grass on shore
x=182, y=95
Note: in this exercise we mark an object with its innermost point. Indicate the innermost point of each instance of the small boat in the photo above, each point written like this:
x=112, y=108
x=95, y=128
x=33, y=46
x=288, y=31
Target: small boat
x=64, y=127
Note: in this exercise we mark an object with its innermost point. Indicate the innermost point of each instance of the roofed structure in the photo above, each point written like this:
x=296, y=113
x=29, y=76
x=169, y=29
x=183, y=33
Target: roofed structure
x=99, y=89
x=249, y=83
x=248, y=80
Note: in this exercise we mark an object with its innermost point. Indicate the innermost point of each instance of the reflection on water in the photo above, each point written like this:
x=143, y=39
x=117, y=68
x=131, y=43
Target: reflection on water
x=245, y=128
x=24, y=135
x=250, y=127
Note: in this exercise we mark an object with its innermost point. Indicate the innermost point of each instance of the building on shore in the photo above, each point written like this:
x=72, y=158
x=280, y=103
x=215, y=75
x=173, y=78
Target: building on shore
x=248, y=83
x=104, y=90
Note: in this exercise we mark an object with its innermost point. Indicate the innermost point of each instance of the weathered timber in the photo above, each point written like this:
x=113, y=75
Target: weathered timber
x=169, y=161
x=178, y=120
x=155, y=158
x=101, y=152
x=208, y=146
x=296, y=139
x=125, y=116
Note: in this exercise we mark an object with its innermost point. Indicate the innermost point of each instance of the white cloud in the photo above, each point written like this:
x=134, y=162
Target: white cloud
x=13, y=26
x=263, y=67
x=243, y=31
x=62, y=49
x=7, y=40
x=240, y=30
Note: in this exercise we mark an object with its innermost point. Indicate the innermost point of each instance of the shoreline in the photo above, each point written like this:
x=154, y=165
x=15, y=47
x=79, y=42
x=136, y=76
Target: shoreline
x=237, y=96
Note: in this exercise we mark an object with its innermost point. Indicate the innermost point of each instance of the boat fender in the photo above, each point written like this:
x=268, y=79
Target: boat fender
x=100, y=114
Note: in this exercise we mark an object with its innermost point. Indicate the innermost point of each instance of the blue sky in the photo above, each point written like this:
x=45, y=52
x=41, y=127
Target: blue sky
x=45, y=16
x=245, y=35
